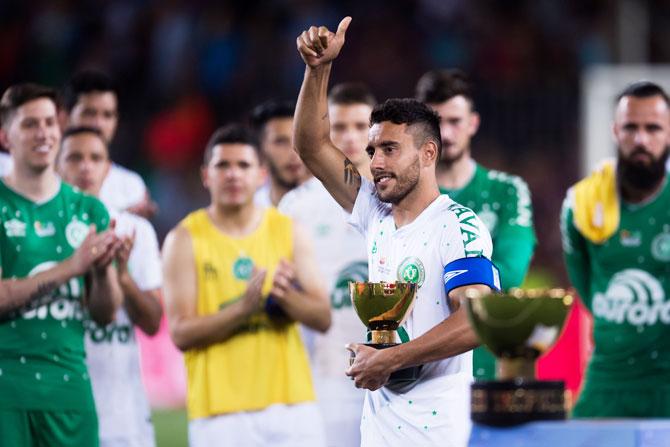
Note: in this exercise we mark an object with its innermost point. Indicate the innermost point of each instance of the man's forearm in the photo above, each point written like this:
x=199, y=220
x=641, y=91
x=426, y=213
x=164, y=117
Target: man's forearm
x=311, y=123
x=32, y=292
x=143, y=307
x=451, y=337
x=202, y=331
x=307, y=310
x=104, y=295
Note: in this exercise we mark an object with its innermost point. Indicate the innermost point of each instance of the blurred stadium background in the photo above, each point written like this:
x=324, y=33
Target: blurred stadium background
x=543, y=69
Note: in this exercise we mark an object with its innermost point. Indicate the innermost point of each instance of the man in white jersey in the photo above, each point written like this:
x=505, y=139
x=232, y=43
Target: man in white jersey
x=412, y=234
x=90, y=98
x=340, y=252
x=272, y=122
x=112, y=351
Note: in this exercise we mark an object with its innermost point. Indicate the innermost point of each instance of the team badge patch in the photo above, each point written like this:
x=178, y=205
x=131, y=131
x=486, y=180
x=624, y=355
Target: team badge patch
x=243, y=267
x=411, y=269
x=660, y=247
x=76, y=232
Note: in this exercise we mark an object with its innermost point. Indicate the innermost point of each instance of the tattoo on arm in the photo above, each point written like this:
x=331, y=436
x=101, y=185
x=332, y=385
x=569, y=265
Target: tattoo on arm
x=39, y=298
x=351, y=175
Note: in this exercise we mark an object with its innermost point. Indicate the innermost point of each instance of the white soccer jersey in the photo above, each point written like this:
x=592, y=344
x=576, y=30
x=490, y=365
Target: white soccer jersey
x=122, y=188
x=435, y=410
x=262, y=196
x=6, y=164
x=340, y=253
x=113, y=354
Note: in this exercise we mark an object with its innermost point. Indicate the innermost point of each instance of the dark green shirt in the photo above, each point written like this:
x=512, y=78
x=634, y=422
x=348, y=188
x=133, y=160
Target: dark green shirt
x=625, y=284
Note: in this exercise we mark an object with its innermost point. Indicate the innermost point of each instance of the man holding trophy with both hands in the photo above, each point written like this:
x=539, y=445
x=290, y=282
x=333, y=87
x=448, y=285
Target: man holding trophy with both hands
x=413, y=234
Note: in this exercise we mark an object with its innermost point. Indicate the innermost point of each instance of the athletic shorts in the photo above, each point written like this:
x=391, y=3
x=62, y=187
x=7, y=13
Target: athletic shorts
x=35, y=428
x=298, y=425
x=618, y=403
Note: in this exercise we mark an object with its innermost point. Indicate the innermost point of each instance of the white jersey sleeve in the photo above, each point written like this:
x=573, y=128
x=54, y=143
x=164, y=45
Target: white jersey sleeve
x=466, y=227
x=122, y=188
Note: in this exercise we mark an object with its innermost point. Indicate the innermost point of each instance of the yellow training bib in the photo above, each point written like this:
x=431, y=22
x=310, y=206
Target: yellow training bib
x=265, y=362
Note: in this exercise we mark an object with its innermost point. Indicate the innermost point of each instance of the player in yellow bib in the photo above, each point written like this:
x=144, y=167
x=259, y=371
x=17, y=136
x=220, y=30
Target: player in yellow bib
x=238, y=278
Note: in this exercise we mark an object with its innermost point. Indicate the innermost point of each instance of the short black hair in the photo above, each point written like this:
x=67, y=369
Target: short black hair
x=233, y=133
x=350, y=93
x=269, y=110
x=18, y=94
x=78, y=130
x=86, y=81
x=413, y=113
x=643, y=89
x=438, y=86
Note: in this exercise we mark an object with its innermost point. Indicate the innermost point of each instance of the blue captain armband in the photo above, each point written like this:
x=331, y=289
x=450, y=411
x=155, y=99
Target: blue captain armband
x=471, y=271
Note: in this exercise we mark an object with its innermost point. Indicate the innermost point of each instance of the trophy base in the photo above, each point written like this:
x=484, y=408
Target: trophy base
x=400, y=377
x=513, y=402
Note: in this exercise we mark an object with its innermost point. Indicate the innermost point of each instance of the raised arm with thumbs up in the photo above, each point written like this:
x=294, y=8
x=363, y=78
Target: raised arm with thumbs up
x=318, y=47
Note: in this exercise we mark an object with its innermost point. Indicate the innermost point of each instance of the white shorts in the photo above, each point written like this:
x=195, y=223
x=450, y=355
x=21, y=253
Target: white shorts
x=434, y=412
x=278, y=426
x=341, y=405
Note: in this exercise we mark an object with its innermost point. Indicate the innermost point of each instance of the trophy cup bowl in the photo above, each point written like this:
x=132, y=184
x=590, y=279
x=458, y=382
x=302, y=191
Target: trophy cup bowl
x=517, y=327
x=383, y=307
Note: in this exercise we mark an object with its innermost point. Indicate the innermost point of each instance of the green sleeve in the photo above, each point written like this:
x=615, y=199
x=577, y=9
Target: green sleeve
x=514, y=240
x=575, y=254
x=512, y=252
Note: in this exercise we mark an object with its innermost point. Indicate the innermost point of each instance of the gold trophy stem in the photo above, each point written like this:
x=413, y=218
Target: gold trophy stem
x=383, y=337
x=509, y=369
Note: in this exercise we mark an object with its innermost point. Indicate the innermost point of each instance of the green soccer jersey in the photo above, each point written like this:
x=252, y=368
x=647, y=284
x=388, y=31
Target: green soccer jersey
x=42, y=350
x=502, y=202
x=625, y=284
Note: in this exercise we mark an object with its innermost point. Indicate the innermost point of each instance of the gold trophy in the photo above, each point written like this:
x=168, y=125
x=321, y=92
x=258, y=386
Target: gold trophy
x=383, y=307
x=518, y=327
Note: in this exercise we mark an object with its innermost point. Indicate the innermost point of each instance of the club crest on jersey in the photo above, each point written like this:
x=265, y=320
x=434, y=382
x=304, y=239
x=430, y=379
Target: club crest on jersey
x=243, y=267
x=660, y=247
x=15, y=228
x=75, y=232
x=411, y=269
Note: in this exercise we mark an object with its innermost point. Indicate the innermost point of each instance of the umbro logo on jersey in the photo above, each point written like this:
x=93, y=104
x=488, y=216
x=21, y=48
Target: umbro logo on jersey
x=630, y=238
x=210, y=271
x=44, y=230
x=452, y=274
x=15, y=228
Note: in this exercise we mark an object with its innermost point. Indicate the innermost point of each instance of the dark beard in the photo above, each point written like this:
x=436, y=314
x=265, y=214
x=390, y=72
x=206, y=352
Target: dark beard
x=276, y=175
x=641, y=176
x=404, y=184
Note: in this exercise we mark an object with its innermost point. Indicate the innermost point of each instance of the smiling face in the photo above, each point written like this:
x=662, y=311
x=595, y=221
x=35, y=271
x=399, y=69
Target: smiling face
x=395, y=161
x=32, y=135
x=232, y=175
